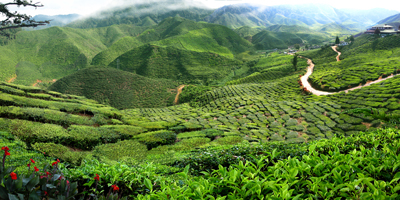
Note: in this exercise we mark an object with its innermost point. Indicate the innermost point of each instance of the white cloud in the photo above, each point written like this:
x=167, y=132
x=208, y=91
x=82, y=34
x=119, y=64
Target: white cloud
x=88, y=7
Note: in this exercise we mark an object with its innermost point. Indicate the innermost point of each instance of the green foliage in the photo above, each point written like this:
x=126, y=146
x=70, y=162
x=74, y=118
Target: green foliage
x=157, y=138
x=191, y=92
x=129, y=151
x=62, y=152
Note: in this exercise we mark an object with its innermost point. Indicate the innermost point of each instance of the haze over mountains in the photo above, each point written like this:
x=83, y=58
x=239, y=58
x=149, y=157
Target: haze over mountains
x=238, y=15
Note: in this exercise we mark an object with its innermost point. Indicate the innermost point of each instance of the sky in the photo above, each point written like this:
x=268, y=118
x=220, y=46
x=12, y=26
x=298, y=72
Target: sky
x=89, y=7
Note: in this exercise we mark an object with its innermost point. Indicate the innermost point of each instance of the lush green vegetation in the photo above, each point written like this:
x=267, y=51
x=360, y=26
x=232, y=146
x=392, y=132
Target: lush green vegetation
x=118, y=88
x=176, y=64
x=244, y=128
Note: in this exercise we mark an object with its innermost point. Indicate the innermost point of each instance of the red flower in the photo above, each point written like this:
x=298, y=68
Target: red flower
x=13, y=176
x=97, y=178
x=5, y=148
x=54, y=163
x=32, y=160
x=67, y=182
x=36, y=169
x=58, y=160
x=7, y=153
x=45, y=193
x=29, y=164
x=115, y=188
x=47, y=173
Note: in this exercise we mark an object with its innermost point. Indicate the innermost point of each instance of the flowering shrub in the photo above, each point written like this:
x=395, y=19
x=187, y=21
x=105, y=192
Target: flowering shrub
x=46, y=183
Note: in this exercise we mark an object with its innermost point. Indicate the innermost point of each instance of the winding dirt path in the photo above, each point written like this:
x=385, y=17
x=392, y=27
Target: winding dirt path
x=177, y=95
x=12, y=79
x=40, y=81
x=339, y=53
x=310, y=68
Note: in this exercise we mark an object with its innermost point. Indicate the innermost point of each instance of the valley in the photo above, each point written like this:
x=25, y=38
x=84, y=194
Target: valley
x=239, y=102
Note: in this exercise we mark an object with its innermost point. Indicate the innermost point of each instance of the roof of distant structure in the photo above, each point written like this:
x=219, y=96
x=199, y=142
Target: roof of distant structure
x=383, y=25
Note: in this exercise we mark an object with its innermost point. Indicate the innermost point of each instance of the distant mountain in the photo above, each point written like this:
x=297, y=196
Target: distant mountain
x=144, y=14
x=55, y=20
x=393, y=20
x=307, y=14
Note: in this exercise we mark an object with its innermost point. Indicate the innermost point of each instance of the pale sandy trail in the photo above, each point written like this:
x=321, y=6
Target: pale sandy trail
x=339, y=53
x=310, y=68
x=12, y=79
x=177, y=95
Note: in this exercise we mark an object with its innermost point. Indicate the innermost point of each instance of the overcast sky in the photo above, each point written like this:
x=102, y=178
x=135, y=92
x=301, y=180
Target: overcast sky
x=87, y=7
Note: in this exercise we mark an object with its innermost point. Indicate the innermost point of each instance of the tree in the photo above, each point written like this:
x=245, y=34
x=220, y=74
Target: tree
x=297, y=46
x=294, y=62
x=377, y=32
x=17, y=20
x=351, y=38
x=337, y=41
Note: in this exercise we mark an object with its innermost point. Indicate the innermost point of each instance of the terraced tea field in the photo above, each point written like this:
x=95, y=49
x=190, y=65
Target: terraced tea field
x=268, y=105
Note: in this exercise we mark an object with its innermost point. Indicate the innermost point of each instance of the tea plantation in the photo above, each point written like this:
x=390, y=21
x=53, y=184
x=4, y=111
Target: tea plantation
x=261, y=136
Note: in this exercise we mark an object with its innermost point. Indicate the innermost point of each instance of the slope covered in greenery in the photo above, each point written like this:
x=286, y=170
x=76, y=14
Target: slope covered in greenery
x=56, y=52
x=117, y=88
x=176, y=64
x=181, y=33
x=272, y=40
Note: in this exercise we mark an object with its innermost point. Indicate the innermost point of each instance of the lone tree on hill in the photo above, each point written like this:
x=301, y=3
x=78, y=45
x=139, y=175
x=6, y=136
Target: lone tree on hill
x=17, y=20
x=294, y=62
x=337, y=41
x=351, y=38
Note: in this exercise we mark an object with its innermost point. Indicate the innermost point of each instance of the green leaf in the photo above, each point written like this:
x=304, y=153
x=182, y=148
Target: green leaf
x=12, y=197
x=3, y=192
x=148, y=184
x=32, y=183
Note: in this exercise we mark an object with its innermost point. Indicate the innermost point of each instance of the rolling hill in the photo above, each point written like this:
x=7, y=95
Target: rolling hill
x=55, y=52
x=181, y=33
x=281, y=40
x=117, y=88
x=176, y=64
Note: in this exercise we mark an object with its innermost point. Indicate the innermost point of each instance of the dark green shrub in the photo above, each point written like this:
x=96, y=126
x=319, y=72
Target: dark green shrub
x=129, y=151
x=157, y=138
x=61, y=152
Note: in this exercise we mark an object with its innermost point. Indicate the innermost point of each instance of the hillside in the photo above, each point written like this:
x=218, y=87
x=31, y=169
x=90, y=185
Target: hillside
x=181, y=33
x=176, y=64
x=393, y=20
x=117, y=88
x=55, y=52
x=272, y=40
x=246, y=31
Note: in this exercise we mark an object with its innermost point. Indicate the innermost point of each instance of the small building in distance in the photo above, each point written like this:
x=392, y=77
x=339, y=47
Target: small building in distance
x=383, y=30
